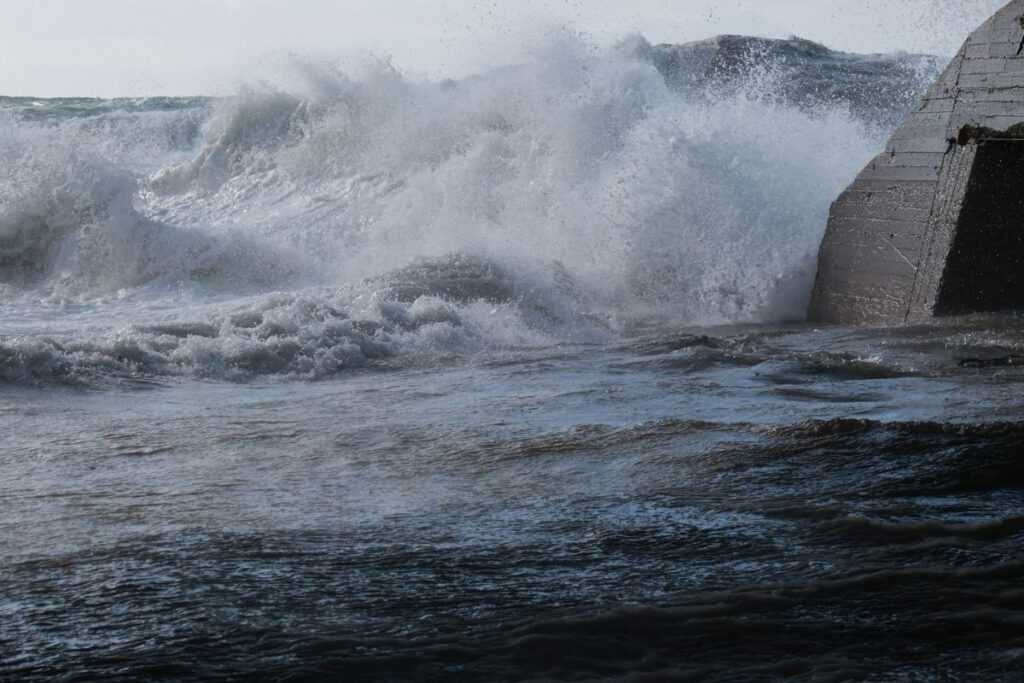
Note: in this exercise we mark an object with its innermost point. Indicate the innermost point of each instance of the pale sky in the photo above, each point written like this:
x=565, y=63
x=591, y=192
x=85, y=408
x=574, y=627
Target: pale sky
x=182, y=47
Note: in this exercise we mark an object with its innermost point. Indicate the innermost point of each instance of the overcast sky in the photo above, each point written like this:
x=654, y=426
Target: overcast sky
x=147, y=47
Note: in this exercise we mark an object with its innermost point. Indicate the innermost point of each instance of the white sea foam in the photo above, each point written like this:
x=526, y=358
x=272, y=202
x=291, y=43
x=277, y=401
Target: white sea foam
x=596, y=192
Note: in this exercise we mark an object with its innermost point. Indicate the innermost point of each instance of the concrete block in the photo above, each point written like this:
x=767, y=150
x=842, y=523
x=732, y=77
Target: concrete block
x=935, y=224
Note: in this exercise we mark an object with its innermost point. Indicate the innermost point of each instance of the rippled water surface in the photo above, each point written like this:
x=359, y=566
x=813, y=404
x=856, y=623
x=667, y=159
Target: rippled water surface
x=734, y=502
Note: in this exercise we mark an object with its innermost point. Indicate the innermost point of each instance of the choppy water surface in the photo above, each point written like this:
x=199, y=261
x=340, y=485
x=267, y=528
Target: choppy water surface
x=493, y=380
x=735, y=504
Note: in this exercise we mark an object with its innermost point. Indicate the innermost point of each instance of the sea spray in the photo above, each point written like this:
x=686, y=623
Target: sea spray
x=592, y=189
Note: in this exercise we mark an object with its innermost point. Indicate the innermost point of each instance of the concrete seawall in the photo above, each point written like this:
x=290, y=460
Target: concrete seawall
x=935, y=224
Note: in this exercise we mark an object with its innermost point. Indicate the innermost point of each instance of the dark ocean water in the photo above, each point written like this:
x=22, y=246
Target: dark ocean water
x=490, y=380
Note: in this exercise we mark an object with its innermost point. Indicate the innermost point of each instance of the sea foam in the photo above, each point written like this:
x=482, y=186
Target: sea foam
x=603, y=185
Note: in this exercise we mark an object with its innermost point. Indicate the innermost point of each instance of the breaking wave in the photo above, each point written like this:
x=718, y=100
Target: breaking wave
x=683, y=183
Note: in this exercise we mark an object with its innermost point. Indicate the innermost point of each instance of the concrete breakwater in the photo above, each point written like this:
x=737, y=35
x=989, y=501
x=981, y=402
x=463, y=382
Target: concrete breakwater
x=935, y=224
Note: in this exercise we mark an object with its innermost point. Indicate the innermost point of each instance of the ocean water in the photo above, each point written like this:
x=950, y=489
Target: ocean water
x=502, y=378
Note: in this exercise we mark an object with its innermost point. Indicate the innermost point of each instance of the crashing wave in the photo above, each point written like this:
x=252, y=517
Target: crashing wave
x=584, y=190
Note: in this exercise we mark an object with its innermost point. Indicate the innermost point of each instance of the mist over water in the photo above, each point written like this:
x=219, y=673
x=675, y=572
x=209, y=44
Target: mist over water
x=577, y=194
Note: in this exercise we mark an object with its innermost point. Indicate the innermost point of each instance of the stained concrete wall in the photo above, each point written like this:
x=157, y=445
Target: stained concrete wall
x=890, y=233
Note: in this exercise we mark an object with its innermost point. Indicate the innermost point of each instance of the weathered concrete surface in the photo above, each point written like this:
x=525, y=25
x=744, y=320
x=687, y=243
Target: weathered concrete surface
x=935, y=224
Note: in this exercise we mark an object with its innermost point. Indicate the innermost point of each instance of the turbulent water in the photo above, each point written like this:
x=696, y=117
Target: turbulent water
x=497, y=378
